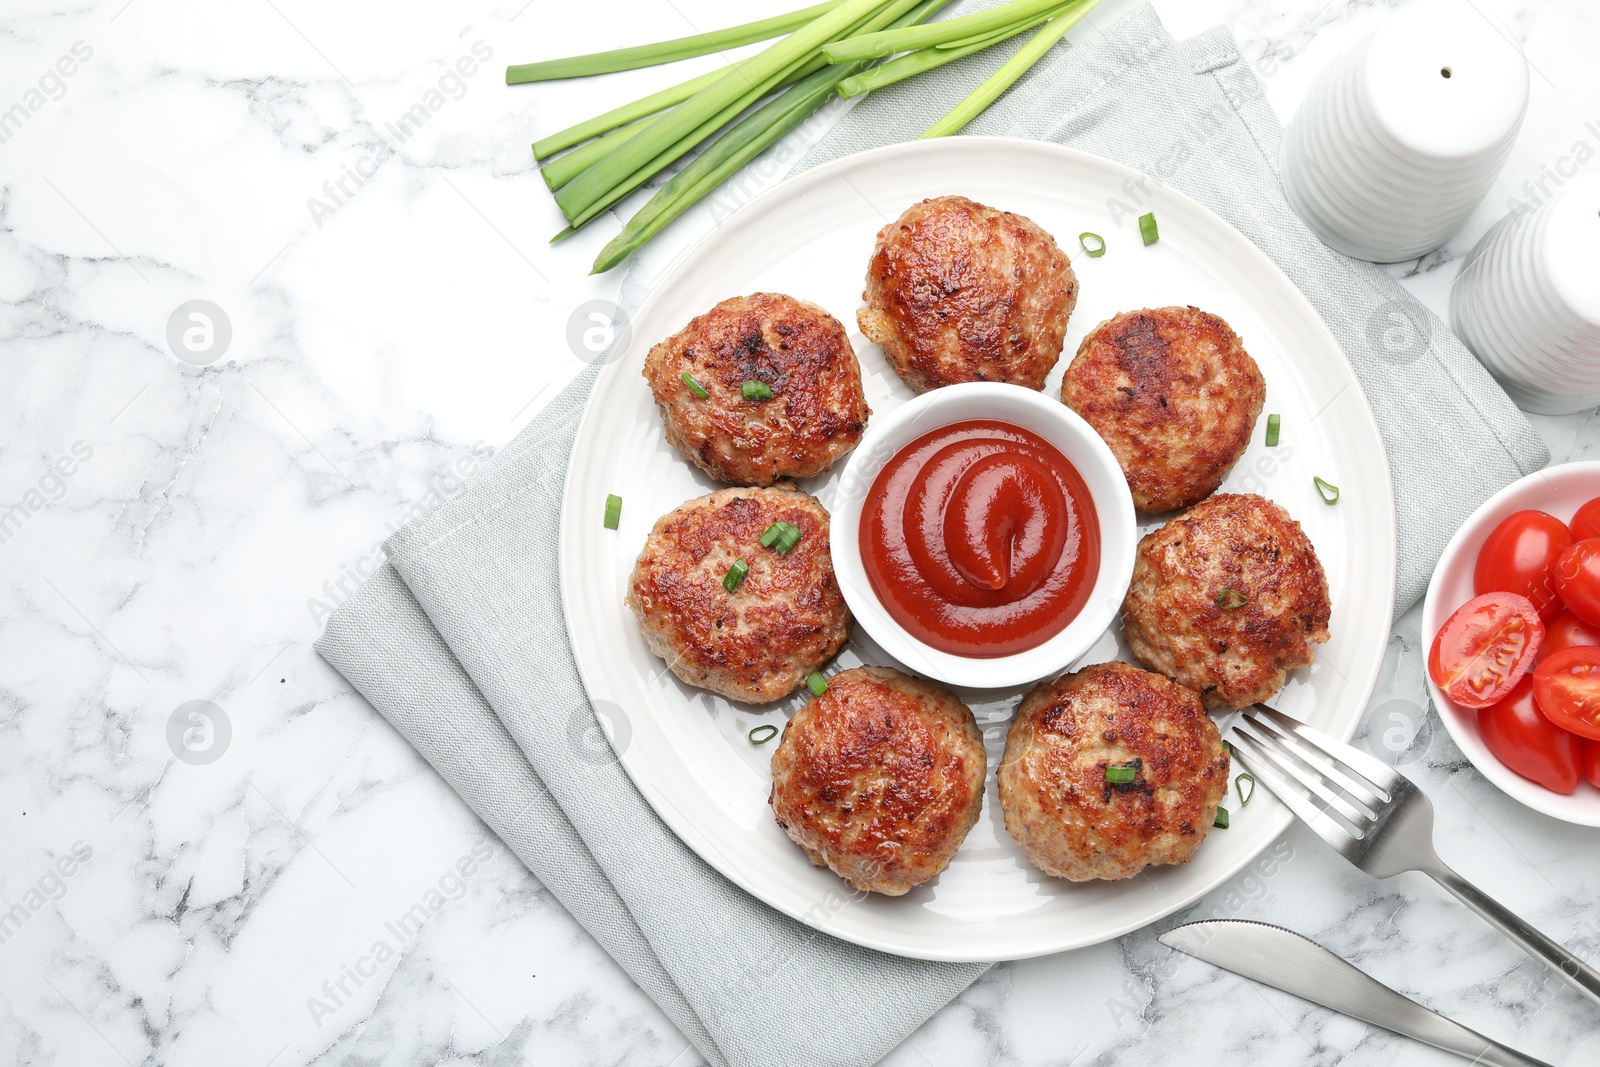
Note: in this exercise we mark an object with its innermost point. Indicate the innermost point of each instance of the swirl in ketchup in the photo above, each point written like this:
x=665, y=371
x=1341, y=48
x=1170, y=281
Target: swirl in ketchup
x=980, y=539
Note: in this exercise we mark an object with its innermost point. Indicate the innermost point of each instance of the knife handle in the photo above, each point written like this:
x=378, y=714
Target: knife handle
x=1577, y=974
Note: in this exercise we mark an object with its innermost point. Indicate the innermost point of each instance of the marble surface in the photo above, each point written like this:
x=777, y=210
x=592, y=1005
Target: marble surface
x=191, y=508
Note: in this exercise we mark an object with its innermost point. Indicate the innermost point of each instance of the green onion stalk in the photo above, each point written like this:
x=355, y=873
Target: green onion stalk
x=591, y=208
x=889, y=41
x=748, y=139
x=676, y=127
x=1030, y=53
x=648, y=55
x=926, y=59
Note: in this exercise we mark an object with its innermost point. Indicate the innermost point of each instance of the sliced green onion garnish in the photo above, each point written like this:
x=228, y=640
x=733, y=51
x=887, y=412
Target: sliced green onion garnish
x=817, y=684
x=1147, y=228
x=1229, y=746
x=1221, y=821
x=1231, y=600
x=613, y=511
x=1100, y=244
x=787, y=539
x=735, y=575
x=1329, y=491
x=762, y=734
x=755, y=391
x=1238, y=783
x=1273, y=424
x=1121, y=775
x=773, y=532
x=695, y=387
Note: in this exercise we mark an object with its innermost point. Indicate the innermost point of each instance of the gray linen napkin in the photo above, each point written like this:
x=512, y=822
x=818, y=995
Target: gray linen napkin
x=460, y=642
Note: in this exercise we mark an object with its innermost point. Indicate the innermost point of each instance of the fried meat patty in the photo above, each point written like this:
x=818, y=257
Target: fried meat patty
x=1174, y=394
x=783, y=621
x=880, y=778
x=1227, y=598
x=960, y=292
x=801, y=353
x=1067, y=819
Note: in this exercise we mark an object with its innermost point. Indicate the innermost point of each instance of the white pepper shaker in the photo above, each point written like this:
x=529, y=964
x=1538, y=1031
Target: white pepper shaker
x=1399, y=140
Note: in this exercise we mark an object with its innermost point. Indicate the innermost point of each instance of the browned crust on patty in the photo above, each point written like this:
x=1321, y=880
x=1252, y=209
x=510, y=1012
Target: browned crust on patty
x=1232, y=543
x=880, y=778
x=1059, y=808
x=817, y=411
x=758, y=643
x=1175, y=396
x=960, y=292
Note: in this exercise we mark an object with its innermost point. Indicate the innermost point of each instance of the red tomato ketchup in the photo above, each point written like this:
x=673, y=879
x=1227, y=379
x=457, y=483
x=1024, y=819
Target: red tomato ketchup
x=980, y=538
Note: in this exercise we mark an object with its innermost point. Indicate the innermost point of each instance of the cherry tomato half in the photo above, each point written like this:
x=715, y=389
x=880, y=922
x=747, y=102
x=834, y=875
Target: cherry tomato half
x=1591, y=762
x=1566, y=631
x=1577, y=575
x=1567, y=688
x=1517, y=556
x=1586, y=523
x=1484, y=649
x=1519, y=735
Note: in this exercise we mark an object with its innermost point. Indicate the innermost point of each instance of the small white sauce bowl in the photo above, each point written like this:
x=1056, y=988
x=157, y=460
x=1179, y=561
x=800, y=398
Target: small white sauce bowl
x=1054, y=422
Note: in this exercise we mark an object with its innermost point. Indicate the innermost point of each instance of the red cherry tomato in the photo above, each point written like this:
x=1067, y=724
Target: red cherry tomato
x=1517, y=556
x=1484, y=649
x=1591, y=762
x=1523, y=739
x=1566, y=631
x=1577, y=575
x=1586, y=523
x=1567, y=688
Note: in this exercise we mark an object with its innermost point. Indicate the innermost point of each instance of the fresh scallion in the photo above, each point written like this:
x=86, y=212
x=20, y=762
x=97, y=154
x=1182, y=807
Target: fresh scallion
x=753, y=390
x=695, y=387
x=1232, y=600
x=649, y=55
x=926, y=59
x=1099, y=248
x=1238, y=783
x=817, y=684
x=1019, y=64
x=1229, y=746
x=1221, y=821
x=1274, y=423
x=772, y=533
x=748, y=138
x=1121, y=775
x=549, y=145
x=1147, y=228
x=613, y=511
x=736, y=572
x=1328, y=491
x=762, y=734
x=689, y=123
x=888, y=42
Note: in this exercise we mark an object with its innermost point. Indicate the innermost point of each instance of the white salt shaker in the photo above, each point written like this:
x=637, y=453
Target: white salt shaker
x=1400, y=138
x=1527, y=302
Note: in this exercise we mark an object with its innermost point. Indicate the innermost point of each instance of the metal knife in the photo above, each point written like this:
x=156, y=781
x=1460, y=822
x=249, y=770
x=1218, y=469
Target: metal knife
x=1295, y=964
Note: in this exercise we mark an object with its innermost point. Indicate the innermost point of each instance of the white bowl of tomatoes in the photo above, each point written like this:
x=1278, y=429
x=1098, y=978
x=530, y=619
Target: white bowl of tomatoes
x=1512, y=623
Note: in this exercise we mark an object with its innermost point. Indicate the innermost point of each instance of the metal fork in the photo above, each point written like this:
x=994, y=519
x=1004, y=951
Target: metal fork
x=1376, y=818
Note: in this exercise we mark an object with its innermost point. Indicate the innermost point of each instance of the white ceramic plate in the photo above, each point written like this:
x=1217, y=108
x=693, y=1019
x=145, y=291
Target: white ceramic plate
x=810, y=237
x=1559, y=491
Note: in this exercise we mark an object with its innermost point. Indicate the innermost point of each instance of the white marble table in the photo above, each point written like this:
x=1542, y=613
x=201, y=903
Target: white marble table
x=393, y=313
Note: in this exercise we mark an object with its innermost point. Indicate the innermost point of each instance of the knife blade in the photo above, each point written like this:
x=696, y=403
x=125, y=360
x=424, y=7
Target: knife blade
x=1298, y=965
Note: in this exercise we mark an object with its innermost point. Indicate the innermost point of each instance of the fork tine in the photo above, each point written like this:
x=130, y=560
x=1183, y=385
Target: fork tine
x=1271, y=745
x=1374, y=770
x=1326, y=826
x=1367, y=795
